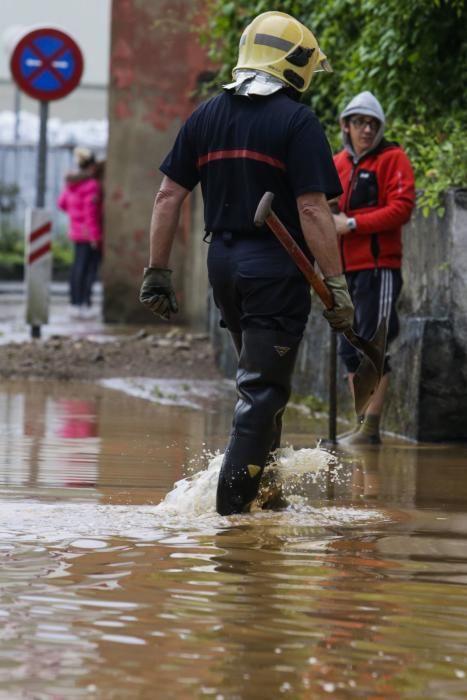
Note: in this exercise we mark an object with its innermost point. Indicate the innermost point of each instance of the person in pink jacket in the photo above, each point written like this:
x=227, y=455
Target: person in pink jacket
x=81, y=199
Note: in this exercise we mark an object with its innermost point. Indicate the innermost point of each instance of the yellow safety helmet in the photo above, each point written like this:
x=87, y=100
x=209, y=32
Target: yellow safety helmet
x=277, y=44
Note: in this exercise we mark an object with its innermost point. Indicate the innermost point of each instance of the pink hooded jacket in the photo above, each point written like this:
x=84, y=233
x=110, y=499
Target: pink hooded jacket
x=82, y=201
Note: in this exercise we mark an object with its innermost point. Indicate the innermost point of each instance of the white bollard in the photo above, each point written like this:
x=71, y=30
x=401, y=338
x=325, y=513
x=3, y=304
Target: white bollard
x=37, y=267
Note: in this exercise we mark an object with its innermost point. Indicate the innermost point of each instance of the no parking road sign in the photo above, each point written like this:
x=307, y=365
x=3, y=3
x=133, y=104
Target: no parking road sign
x=47, y=64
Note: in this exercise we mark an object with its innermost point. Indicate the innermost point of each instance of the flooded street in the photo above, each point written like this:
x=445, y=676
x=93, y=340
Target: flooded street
x=115, y=585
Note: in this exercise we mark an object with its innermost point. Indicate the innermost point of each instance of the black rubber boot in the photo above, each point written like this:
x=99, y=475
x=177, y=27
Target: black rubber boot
x=240, y=474
x=264, y=375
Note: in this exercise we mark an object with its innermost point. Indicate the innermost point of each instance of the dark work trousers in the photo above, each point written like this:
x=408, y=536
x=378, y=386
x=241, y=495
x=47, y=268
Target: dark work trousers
x=83, y=273
x=256, y=284
x=374, y=294
x=264, y=302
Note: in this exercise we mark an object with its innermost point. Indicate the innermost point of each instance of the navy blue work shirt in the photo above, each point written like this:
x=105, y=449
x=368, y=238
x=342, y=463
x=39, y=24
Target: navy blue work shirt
x=240, y=147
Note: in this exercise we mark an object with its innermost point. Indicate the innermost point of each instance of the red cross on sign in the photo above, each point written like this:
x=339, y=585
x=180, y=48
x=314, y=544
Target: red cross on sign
x=47, y=64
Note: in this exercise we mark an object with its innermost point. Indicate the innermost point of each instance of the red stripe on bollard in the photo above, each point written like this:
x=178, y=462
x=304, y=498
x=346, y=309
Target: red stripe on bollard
x=39, y=252
x=34, y=235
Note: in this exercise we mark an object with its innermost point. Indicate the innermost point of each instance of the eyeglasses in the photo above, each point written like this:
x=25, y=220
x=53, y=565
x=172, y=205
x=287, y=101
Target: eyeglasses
x=362, y=123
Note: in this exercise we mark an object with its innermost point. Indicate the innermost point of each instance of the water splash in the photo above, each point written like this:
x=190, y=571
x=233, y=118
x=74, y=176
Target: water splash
x=291, y=463
x=188, y=508
x=196, y=494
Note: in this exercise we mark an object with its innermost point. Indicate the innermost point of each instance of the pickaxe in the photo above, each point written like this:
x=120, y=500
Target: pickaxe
x=370, y=370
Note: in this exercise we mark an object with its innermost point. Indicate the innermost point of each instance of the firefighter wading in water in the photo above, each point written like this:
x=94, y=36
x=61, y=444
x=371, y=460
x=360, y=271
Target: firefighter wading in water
x=254, y=137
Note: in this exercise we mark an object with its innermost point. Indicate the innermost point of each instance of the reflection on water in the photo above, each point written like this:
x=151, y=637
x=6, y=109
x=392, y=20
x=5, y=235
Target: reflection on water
x=115, y=585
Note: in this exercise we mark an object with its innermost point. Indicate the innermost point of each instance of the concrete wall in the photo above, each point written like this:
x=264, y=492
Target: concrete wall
x=155, y=66
x=427, y=398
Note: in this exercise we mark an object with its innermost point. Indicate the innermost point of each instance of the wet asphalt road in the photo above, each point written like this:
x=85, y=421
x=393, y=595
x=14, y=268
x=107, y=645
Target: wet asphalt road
x=13, y=326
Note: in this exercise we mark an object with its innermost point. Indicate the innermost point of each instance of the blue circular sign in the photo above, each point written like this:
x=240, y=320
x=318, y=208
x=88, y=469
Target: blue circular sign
x=47, y=64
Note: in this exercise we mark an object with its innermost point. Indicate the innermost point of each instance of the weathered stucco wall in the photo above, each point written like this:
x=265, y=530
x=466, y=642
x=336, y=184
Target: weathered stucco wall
x=427, y=398
x=155, y=66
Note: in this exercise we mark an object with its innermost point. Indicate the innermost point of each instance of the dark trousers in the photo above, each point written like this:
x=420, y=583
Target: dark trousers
x=374, y=294
x=264, y=302
x=83, y=273
x=256, y=284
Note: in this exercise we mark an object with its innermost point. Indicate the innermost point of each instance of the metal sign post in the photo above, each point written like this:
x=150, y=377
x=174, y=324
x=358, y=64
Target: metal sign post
x=38, y=260
x=42, y=154
x=46, y=64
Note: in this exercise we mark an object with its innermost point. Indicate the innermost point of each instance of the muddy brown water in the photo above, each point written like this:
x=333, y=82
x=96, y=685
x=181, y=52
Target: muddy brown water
x=114, y=585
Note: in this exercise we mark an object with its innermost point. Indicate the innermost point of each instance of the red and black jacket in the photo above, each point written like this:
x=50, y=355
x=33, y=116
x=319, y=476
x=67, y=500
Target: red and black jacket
x=379, y=192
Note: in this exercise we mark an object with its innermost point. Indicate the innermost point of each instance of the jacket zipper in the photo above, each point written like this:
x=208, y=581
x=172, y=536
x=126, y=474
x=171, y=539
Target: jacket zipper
x=346, y=208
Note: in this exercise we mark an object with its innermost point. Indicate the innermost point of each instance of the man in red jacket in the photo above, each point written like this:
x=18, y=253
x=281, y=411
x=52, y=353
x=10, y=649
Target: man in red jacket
x=378, y=198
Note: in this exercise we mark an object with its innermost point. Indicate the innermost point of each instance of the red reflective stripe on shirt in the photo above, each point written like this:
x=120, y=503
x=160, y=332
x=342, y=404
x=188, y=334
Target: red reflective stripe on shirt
x=240, y=153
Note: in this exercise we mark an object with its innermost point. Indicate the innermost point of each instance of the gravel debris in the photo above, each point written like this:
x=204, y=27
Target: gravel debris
x=174, y=354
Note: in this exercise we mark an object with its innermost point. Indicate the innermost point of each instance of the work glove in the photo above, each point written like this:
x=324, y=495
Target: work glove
x=157, y=293
x=340, y=317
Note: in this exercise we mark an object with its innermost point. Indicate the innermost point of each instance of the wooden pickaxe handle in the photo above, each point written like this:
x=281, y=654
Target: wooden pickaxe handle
x=370, y=369
x=265, y=215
